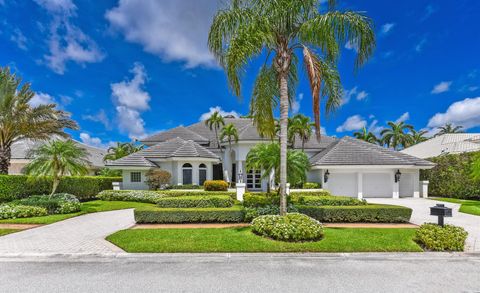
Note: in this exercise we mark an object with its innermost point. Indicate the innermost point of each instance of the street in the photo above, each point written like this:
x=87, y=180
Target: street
x=243, y=273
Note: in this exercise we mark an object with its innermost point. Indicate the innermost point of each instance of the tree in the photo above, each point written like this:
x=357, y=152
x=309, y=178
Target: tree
x=301, y=126
x=20, y=120
x=58, y=158
x=214, y=123
x=449, y=128
x=417, y=137
x=395, y=136
x=107, y=172
x=230, y=133
x=122, y=150
x=280, y=30
x=158, y=178
x=366, y=135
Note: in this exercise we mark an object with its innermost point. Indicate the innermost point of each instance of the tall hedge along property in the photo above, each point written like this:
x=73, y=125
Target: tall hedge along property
x=83, y=187
x=452, y=176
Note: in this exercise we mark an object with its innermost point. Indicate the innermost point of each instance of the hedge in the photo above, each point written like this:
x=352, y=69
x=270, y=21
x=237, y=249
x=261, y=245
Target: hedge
x=83, y=187
x=185, y=186
x=13, y=211
x=147, y=196
x=329, y=201
x=173, y=193
x=234, y=214
x=215, y=185
x=451, y=177
x=371, y=213
x=216, y=201
x=437, y=238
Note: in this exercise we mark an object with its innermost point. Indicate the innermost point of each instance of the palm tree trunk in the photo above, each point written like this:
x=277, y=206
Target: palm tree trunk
x=56, y=182
x=5, y=155
x=218, y=140
x=283, y=142
x=303, y=144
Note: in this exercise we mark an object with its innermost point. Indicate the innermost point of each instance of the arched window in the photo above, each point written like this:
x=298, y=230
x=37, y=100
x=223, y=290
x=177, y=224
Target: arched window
x=202, y=174
x=187, y=173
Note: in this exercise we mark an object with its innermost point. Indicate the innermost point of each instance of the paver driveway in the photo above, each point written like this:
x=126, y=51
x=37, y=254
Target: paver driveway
x=80, y=235
x=421, y=214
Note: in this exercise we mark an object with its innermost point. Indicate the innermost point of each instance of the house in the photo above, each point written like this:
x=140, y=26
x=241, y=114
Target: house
x=21, y=155
x=450, y=143
x=345, y=166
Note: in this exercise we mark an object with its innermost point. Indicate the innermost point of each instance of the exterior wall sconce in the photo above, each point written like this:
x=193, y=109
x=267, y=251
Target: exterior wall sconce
x=397, y=176
x=240, y=176
x=325, y=176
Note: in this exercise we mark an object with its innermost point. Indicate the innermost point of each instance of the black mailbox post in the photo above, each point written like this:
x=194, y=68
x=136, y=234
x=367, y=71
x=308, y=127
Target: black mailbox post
x=441, y=211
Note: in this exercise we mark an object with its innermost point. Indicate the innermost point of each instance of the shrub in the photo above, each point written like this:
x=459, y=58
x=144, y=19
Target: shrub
x=292, y=227
x=234, y=214
x=252, y=213
x=175, y=193
x=437, y=238
x=371, y=213
x=83, y=187
x=216, y=201
x=185, y=186
x=311, y=185
x=215, y=185
x=12, y=211
x=130, y=195
x=310, y=193
x=158, y=178
x=252, y=200
x=329, y=201
x=59, y=203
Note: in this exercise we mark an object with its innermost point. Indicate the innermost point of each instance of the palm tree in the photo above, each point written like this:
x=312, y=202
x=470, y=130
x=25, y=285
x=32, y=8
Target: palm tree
x=122, y=150
x=449, y=128
x=302, y=126
x=280, y=30
x=417, y=137
x=214, y=122
x=366, y=135
x=19, y=120
x=230, y=133
x=57, y=159
x=395, y=136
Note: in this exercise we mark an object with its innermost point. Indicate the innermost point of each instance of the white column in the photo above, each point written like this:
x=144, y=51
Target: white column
x=287, y=190
x=424, y=188
x=240, y=191
x=195, y=173
x=209, y=171
x=360, y=185
x=396, y=186
x=179, y=173
x=240, y=167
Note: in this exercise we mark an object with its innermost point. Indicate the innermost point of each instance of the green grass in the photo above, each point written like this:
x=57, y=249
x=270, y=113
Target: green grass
x=243, y=240
x=7, y=231
x=468, y=206
x=87, y=207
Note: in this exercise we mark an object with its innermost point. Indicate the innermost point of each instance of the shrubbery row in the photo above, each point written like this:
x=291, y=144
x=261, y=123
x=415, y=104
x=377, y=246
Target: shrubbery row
x=213, y=201
x=189, y=215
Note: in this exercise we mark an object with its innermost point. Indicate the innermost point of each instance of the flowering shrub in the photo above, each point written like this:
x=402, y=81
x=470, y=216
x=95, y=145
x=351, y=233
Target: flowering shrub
x=59, y=203
x=293, y=227
x=130, y=195
x=437, y=238
x=215, y=185
x=12, y=211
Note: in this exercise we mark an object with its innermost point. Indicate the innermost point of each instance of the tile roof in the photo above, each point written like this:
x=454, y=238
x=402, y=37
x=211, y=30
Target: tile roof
x=451, y=143
x=180, y=131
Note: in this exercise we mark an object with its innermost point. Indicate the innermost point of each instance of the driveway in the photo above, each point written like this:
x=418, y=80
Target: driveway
x=80, y=235
x=421, y=214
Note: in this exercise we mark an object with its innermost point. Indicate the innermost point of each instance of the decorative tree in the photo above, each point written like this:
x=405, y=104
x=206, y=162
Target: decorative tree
x=158, y=178
x=122, y=150
x=214, y=123
x=396, y=136
x=366, y=135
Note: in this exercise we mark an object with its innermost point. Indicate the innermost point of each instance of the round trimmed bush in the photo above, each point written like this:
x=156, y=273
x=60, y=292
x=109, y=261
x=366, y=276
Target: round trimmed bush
x=437, y=238
x=293, y=227
x=215, y=185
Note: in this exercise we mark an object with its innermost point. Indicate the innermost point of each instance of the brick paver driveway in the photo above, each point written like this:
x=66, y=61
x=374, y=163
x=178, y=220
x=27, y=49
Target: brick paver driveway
x=80, y=235
x=421, y=214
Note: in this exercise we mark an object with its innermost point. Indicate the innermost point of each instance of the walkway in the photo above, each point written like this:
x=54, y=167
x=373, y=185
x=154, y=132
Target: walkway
x=421, y=214
x=80, y=235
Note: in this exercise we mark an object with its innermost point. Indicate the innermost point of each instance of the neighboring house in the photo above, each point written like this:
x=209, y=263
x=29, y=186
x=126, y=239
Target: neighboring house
x=21, y=155
x=451, y=143
x=345, y=166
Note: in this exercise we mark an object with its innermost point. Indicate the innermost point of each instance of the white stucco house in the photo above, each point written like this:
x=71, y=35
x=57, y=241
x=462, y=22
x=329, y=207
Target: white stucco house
x=345, y=166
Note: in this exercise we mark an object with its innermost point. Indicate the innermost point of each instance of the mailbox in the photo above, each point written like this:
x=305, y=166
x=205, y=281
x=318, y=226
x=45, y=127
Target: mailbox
x=441, y=211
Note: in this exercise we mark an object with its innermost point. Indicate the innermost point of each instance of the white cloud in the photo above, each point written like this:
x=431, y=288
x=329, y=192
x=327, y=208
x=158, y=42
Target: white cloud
x=19, y=39
x=66, y=41
x=419, y=46
x=349, y=94
x=131, y=99
x=296, y=103
x=174, y=30
x=100, y=117
x=42, y=99
x=375, y=128
x=94, y=141
x=386, y=28
x=362, y=95
x=354, y=122
x=442, y=87
x=211, y=110
x=350, y=46
x=405, y=116
x=465, y=113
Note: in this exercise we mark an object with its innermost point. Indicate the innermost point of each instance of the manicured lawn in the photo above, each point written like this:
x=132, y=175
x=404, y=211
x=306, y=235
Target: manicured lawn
x=243, y=240
x=7, y=231
x=87, y=207
x=471, y=207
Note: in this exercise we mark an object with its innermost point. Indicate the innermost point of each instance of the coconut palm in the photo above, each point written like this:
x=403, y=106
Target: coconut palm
x=449, y=128
x=229, y=132
x=58, y=158
x=301, y=126
x=122, y=150
x=366, y=135
x=284, y=31
x=214, y=123
x=417, y=137
x=396, y=137
x=20, y=120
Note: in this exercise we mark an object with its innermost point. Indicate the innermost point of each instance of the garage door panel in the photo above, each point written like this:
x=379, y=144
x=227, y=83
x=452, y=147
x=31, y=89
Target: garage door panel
x=343, y=184
x=377, y=185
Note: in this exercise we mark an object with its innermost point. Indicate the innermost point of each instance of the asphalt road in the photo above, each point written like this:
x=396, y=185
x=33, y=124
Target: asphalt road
x=242, y=273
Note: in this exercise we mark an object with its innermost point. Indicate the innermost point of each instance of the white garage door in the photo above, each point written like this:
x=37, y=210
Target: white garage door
x=406, y=185
x=344, y=184
x=377, y=185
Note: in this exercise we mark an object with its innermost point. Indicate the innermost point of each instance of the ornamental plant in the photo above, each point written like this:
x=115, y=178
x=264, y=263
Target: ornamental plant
x=438, y=238
x=292, y=227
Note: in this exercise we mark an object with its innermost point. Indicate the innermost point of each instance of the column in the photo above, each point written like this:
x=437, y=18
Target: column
x=195, y=173
x=240, y=167
x=396, y=186
x=360, y=185
x=179, y=173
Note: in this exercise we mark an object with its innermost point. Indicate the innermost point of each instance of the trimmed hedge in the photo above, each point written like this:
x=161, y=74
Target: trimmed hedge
x=255, y=200
x=185, y=186
x=372, y=213
x=174, y=193
x=215, y=201
x=252, y=213
x=437, y=238
x=146, y=196
x=329, y=201
x=215, y=185
x=310, y=193
x=83, y=187
x=311, y=185
x=261, y=199
x=234, y=214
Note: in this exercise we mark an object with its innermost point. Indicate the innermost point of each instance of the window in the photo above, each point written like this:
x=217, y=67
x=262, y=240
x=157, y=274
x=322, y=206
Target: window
x=254, y=179
x=135, y=177
x=187, y=173
x=202, y=174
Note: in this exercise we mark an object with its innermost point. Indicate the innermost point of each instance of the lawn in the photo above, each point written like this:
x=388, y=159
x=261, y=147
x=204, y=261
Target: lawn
x=87, y=207
x=471, y=207
x=7, y=231
x=243, y=240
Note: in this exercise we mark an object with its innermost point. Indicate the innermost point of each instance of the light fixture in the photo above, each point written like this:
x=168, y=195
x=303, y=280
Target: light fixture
x=325, y=176
x=397, y=176
x=240, y=176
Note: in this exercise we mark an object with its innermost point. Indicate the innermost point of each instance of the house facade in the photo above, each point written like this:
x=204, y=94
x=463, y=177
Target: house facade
x=345, y=166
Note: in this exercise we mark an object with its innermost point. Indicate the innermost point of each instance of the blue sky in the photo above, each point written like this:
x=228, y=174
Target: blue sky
x=125, y=69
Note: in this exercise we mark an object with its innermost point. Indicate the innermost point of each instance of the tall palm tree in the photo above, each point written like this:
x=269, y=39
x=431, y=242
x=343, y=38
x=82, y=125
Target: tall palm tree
x=230, y=133
x=417, y=137
x=214, y=123
x=366, y=135
x=19, y=120
x=57, y=159
x=281, y=30
x=449, y=128
x=396, y=136
x=122, y=150
x=300, y=125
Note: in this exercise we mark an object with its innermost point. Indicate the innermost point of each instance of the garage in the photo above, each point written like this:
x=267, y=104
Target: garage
x=377, y=185
x=343, y=184
x=406, y=185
